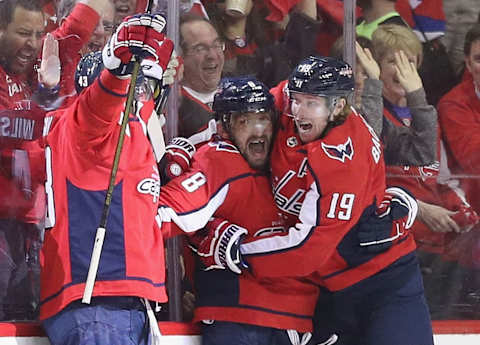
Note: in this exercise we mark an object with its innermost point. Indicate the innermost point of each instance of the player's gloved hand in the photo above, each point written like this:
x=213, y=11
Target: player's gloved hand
x=140, y=36
x=152, y=70
x=178, y=154
x=218, y=245
x=390, y=222
x=466, y=218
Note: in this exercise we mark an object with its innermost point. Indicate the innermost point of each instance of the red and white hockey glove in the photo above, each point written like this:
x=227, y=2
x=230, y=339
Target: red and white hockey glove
x=218, y=245
x=390, y=222
x=141, y=36
x=177, y=158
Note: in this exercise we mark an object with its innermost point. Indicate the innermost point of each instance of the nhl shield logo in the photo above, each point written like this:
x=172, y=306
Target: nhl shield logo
x=339, y=152
x=292, y=142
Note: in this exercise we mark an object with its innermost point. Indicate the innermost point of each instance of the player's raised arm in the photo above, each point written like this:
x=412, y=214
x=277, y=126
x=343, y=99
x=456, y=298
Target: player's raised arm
x=139, y=36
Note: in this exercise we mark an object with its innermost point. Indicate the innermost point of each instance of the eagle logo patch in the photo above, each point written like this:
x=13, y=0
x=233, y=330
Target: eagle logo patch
x=339, y=152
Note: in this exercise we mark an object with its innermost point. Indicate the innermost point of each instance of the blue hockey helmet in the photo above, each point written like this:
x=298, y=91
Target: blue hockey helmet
x=241, y=95
x=322, y=76
x=88, y=69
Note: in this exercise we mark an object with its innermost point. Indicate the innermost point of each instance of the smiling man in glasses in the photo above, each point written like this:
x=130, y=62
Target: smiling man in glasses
x=202, y=52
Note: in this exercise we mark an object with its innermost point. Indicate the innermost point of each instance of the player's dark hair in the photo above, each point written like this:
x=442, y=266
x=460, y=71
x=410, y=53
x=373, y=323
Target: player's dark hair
x=7, y=8
x=472, y=35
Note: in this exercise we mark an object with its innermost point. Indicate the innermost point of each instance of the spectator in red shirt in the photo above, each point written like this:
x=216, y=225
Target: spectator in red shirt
x=22, y=26
x=459, y=112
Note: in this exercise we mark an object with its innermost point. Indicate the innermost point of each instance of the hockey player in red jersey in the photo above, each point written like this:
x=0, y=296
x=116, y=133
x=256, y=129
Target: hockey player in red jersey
x=327, y=169
x=229, y=179
x=80, y=147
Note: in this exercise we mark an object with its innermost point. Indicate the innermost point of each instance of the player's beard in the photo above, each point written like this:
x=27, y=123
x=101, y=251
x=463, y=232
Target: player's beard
x=245, y=151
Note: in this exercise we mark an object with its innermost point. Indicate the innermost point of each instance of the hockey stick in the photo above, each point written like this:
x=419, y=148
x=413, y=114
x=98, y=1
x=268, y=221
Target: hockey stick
x=100, y=235
x=101, y=230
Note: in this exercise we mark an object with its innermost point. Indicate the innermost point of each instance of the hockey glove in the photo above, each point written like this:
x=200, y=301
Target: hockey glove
x=218, y=246
x=141, y=36
x=178, y=154
x=390, y=222
x=153, y=71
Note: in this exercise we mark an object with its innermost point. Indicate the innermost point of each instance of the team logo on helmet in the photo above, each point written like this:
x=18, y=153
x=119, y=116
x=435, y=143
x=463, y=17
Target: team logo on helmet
x=320, y=75
x=339, y=152
x=242, y=95
x=346, y=72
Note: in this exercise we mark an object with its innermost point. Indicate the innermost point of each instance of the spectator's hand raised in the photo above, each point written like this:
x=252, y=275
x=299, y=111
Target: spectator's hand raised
x=49, y=72
x=407, y=72
x=364, y=56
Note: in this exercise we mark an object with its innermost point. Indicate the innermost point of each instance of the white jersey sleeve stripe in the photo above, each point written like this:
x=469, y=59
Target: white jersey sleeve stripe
x=296, y=236
x=196, y=220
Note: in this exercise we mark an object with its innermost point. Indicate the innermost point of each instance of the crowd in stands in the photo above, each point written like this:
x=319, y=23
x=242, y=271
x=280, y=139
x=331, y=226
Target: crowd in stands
x=417, y=83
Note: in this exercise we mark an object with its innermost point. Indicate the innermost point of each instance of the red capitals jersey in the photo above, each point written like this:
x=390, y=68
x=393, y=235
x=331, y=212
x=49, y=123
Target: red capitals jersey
x=22, y=164
x=14, y=91
x=79, y=157
x=20, y=157
x=343, y=175
x=222, y=184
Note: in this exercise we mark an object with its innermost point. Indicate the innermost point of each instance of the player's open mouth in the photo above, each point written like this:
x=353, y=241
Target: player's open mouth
x=257, y=146
x=24, y=59
x=304, y=126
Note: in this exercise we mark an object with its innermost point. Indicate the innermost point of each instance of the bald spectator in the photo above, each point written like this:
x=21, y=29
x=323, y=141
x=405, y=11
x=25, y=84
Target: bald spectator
x=203, y=56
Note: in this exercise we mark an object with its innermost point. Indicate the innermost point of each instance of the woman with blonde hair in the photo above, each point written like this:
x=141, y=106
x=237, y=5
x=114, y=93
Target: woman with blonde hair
x=410, y=130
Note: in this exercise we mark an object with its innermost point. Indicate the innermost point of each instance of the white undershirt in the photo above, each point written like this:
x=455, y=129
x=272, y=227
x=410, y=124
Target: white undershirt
x=204, y=97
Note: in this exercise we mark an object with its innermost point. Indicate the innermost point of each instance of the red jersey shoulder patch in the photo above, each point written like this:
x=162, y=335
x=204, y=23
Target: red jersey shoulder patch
x=339, y=152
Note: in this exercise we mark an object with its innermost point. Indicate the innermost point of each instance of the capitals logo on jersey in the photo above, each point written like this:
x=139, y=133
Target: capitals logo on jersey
x=150, y=185
x=339, y=152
